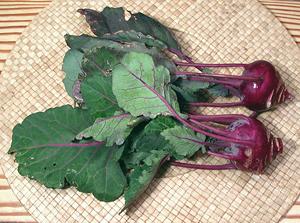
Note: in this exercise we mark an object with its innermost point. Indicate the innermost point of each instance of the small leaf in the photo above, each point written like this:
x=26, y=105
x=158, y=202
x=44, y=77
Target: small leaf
x=72, y=68
x=184, y=141
x=140, y=179
x=138, y=86
x=46, y=151
x=114, y=129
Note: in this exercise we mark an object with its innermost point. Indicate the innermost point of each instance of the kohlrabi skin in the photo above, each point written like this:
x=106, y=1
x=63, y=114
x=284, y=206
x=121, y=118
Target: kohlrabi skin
x=268, y=91
x=245, y=142
x=264, y=149
x=259, y=88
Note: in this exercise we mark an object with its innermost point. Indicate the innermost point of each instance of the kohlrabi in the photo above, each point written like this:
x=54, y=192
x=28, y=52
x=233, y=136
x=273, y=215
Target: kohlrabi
x=259, y=88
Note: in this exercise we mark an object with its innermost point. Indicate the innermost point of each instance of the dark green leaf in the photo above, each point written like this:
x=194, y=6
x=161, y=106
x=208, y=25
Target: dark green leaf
x=149, y=140
x=133, y=36
x=96, y=88
x=98, y=97
x=46, y=151
x=140, y=179
x=218, y=90
x=72, y=68
x=84, y=43
x=112, y=20
x=100, y=61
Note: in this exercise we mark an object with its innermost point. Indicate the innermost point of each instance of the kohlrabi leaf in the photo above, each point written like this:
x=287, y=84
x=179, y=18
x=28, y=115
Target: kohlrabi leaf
x=141, y=148
x=112, y=130
x=183, y=141
x=112, y=20
x=100, y=61
x=141, y=177
x=97, y=93
x=96, y=88
x=150, y=26
x=84, y=43
x=189, y=90
x=72, y=68
x=133, y=36
x=192, y=86
x=47, y=152
x=218, y=90
x=141, y=88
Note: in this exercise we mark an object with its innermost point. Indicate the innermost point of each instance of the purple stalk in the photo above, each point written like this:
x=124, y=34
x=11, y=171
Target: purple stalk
x=214, y=144
x=222, y=133
x=233, y=83
x=112, y=117
x=95, y=143
x=214, y=75
x=209, y=65
x=221, y=105
x=203, y=166
x=185, y=122
x=223, y=155
x=223, y=119
x=213, y=129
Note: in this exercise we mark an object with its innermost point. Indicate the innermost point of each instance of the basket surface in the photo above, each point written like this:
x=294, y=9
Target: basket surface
x=211, y=31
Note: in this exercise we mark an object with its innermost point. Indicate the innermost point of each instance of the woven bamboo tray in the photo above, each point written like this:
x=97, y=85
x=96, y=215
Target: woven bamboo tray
x=215, y=197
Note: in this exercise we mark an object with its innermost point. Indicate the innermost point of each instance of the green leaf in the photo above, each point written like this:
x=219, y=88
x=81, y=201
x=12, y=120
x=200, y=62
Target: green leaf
x=113, y=130
x=189, y=90
x=219, y=90
x=112, y=20
x=183, y=141
x=84, y=43
x=96, y=88
x=133, y=36
x=140, y=179
x=100, y=61
x=46, y=151
x=72, y=68
x=138, y=85
x=192, y=86
x=98, y=97
x=148, y=140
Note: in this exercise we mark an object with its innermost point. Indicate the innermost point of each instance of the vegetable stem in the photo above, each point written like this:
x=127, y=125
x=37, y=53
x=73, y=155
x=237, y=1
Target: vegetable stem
x=204, y=166
x=213, y=129
x=222, y=155
x=216, y=104
x=225, y=119
x=234, y=83
x=209, y=65
x=216, y=75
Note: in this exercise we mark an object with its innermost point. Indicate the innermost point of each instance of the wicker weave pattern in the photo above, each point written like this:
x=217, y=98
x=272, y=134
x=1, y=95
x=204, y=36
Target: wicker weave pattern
x=212, y=31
